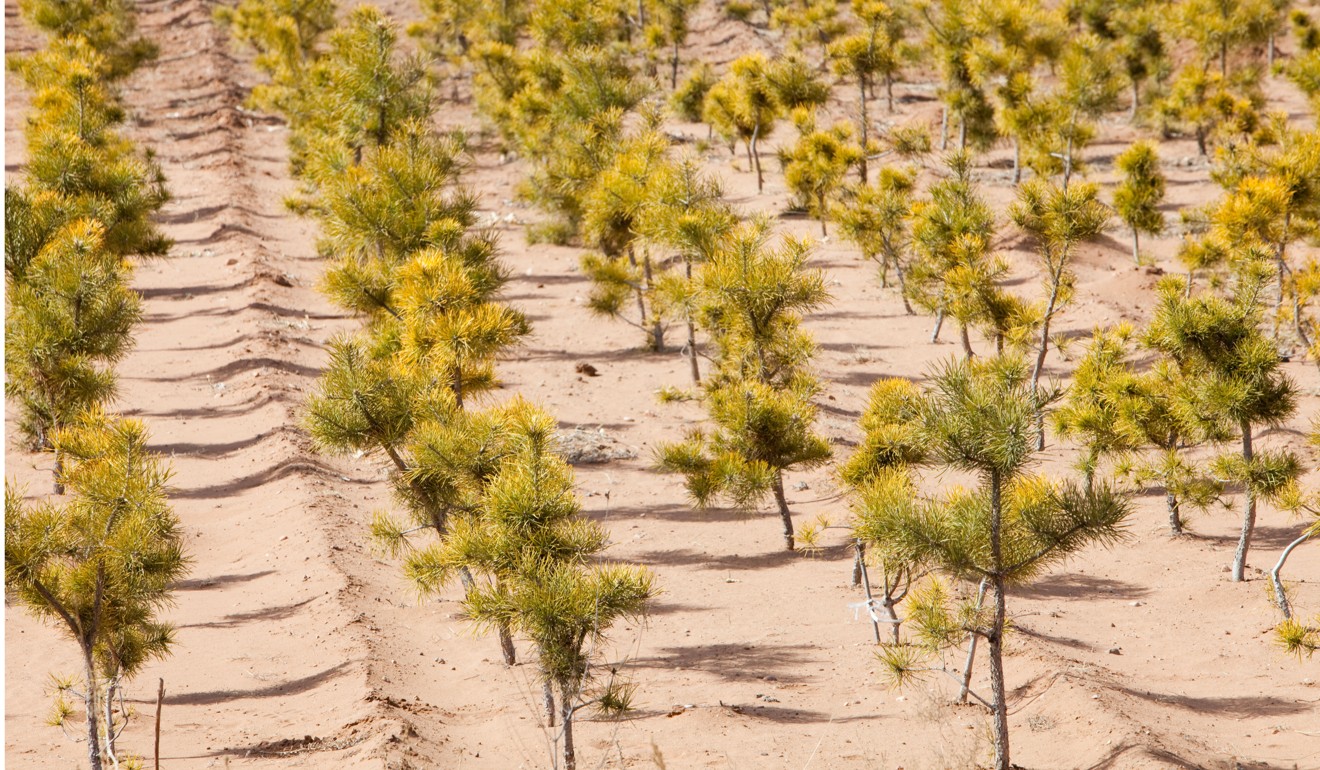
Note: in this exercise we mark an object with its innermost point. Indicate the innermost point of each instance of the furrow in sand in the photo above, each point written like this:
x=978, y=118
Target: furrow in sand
x=274, y=656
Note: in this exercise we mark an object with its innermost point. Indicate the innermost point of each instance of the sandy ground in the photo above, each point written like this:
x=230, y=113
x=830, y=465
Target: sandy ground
x=301, y=647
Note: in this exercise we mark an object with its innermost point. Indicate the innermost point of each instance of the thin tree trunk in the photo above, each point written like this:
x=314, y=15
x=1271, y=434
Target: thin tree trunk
x=939, y=323
x=160, y=700
x=861, y=86
x=784, y=514
x=1269, y=56
x=548, y=694
x=859, y=554
x=1136, y=99
x=673, y=69
x=756, y=159
x=506, y=645
x=657, y=330
x=692, y=332
x=110, y=726
x=1281, y=596
x=888, y=604
x=640, y=291
x=870, y=599
x=971, y=648
x=1136, y=247
x=966, y=342
x=944, y=128
x=1068, y=162
x=692, y=352
x=570, y=756
x=89, y=703
x=997, y=688
x=1056, y=280
x=1223, y=59
x=902, y=288
x=889, y=91
x=58, y=472
x=1017, y=160
x=962, y=133
x=820, y=203
x=1248, y=515
x=1175, y=518
x=996, y=636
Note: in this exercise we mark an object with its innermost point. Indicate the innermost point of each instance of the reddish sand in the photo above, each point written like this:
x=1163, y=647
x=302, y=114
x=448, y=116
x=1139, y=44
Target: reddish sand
x=299, y=646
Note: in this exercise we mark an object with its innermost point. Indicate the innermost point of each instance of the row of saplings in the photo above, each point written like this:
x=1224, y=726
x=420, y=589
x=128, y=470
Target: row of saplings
x=397, y=233
x=488, y=500
x=101, y=562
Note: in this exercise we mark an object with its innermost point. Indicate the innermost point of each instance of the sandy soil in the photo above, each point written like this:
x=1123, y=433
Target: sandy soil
x=300, y=647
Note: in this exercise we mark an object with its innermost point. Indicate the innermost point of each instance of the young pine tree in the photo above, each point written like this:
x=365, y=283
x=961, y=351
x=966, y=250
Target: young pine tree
x=876, y=219
x=686, y=215
x=528, y=538
x=951, y=35
x=1137, y=198
x=954, y=272
x=761, y=395
x=744, y=106
x=285, y=35
x=67, y=323
x=1058, y=219
x=108, y=26
x=101, y=567
x=1235, y=382
x=1097, y=402
x=877, y=49
x=979, y=417
x=613, y=208
x=816, y=164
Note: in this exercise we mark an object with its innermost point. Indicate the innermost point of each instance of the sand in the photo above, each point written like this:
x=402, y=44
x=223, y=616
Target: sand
x=300, y=646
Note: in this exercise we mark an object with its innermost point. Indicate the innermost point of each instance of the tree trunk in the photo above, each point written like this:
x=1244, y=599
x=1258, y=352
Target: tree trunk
x=1248, y=515
x=89, y=703
x=566, y=710
x=58, y=472
x=889, y=91
x=996, y=636
x=1136, y=99
x=1281, y=596
x=861, y=84
x=997, y=688
x=640, y=291
x=944, y=128
x=860, y=553
x=1136, y=247
x=756, y=160
x=784, y=514
x=548, y=694
x=971, y=648
x=820, y=204
x=966, y=342
x=1017, y=160
x=692, y=352
x=962, y=133
x=1175, y=519
x=160, y=700
x=939, y=322
x=902, y=287
x=110, y=726
x=506, y=645
x=1056, y=279
x=870, y=599
x=1223, y=59
x=673, y=69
